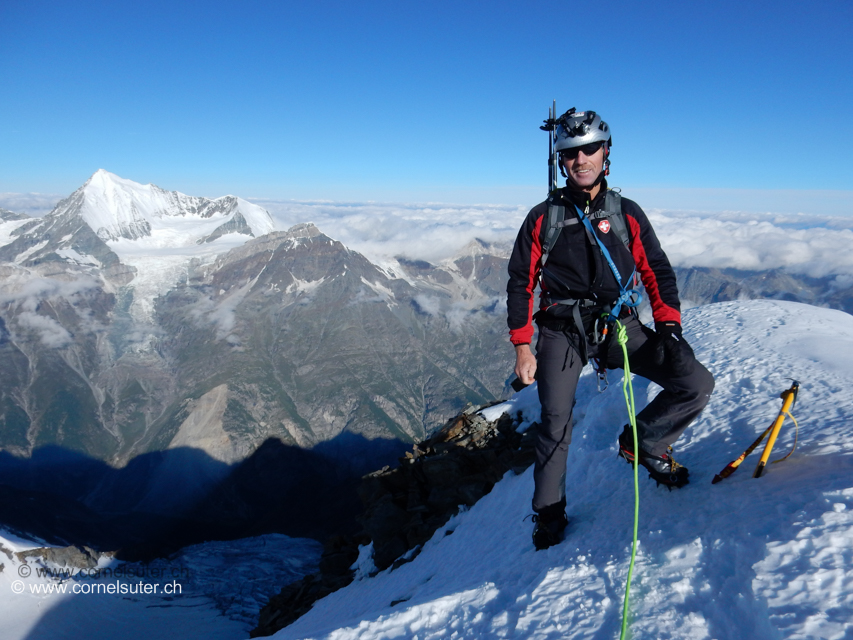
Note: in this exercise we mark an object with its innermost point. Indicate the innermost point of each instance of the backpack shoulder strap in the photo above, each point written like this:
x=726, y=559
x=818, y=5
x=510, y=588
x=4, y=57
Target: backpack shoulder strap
x=613, y=212
x=554, y=224
x=613, y=206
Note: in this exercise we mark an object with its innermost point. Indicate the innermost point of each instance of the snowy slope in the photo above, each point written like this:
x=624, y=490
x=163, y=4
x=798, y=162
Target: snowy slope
x=765, y=558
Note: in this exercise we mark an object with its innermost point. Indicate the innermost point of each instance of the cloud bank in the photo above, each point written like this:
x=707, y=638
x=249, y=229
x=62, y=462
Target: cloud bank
x=813, y=245
x=418, y=231
x=801, y=243
x=22, y=295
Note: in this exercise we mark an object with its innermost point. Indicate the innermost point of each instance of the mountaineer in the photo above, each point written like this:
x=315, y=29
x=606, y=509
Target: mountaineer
x=585, y=246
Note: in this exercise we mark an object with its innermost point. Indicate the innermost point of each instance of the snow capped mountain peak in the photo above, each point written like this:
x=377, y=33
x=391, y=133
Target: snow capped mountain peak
x=103, y=176
x=479, y=247
x=148, y=236
x=110, y=206
x=117, y=208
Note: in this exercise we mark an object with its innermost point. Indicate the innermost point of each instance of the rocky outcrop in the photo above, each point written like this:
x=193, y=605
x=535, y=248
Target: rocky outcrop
x=236, y=224
x=404, y=506
x=457, y=466
x=73, y=556
x=202, y=429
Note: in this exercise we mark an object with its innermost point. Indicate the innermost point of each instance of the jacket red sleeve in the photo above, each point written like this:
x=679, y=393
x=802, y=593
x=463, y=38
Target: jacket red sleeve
x=524, y=266
x=653, y=266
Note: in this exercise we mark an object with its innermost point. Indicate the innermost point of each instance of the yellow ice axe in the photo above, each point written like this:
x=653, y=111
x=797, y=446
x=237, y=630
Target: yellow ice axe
x=789, y=397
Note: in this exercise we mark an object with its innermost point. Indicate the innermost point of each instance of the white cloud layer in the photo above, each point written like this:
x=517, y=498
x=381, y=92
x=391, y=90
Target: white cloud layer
x=423, y=231
x=816, y=246
x=21, y=295
x=813, y=245
x=25, y=291
x=51, y=333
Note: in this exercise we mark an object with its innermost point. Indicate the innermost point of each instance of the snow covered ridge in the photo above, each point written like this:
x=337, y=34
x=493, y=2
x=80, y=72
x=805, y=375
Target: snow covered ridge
x=762, y=558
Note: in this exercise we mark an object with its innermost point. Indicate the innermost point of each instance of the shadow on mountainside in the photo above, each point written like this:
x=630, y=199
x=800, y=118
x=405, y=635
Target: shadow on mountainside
x=162, y=501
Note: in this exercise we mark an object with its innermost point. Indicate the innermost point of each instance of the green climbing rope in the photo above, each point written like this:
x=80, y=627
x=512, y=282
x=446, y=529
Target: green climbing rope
x=628, y=390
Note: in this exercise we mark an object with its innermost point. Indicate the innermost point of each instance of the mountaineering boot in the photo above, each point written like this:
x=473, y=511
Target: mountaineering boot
x=550, y=521
x=662, y=469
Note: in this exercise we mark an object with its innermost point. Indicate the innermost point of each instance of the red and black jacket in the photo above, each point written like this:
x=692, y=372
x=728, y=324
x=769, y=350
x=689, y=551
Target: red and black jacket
x=576, y=269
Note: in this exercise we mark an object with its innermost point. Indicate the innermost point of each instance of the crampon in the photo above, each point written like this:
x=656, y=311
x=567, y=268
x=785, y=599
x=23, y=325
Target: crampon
x=662, y=469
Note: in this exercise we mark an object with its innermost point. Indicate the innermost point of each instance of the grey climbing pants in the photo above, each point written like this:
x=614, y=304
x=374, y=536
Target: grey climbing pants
x=659, y=424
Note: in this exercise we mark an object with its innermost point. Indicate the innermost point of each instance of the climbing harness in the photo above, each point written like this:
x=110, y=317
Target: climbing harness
x=629, y=297
x=789, y=399
x=612, y=214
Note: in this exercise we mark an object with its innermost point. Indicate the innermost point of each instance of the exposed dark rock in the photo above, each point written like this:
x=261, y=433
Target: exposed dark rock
x=404, y=506
x=457, y=466
x=77, y=557
x=236, y=224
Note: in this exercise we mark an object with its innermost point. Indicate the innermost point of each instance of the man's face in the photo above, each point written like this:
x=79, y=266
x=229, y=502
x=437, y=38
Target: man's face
x=582, y=164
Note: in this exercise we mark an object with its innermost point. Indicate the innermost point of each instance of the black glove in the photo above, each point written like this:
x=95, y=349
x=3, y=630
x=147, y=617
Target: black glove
x=672, y=350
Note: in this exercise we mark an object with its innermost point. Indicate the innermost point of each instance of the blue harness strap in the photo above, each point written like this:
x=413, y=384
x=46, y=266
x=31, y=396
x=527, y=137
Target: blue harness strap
x=629, y=297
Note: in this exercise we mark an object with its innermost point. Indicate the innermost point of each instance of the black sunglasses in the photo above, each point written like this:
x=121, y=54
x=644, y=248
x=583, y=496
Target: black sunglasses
x=588, y=150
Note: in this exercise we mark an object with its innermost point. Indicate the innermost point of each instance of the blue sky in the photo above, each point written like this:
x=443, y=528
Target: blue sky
x=428, y=101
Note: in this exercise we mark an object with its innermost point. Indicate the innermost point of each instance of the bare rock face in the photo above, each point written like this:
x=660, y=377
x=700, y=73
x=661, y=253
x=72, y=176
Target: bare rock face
x=457, y=466
x=404, y=506
x=76, y=557
x=311, y=339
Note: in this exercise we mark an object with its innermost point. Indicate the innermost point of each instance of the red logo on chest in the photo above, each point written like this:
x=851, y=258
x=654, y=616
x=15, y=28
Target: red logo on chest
x=604, y=226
